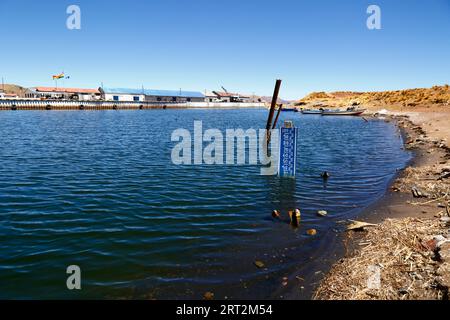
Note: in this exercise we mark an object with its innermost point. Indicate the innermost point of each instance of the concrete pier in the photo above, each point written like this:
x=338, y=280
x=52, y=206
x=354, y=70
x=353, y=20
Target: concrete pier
x=23, y=104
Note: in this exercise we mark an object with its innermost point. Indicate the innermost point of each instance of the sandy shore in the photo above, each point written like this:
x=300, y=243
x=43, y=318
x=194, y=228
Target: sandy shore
x=406, y=254
x=436, y=124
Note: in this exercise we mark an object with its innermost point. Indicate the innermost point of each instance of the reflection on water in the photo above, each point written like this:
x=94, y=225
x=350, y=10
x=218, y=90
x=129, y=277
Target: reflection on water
x=98, y=189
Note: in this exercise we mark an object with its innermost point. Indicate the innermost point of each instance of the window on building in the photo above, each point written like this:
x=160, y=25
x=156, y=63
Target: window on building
x=174, y=99
x=188, y=99
x=135, y=98
x=158, y=99
x=116, y=98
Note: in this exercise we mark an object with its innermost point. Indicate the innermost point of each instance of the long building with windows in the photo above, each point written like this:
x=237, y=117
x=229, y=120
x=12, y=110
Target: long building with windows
x=150, y=95
x=62, y=93
x=122, y=94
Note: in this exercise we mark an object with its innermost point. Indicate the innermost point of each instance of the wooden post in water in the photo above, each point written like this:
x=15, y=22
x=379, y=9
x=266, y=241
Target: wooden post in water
x=276, y=118
x=272, y=109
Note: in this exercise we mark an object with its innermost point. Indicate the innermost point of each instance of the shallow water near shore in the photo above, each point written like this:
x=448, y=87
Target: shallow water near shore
x=98, y=189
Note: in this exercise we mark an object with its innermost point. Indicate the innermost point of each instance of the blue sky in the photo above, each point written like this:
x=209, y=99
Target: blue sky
x=242, y=45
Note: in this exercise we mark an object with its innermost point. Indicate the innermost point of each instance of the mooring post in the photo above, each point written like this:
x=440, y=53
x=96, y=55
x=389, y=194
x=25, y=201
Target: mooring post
x=272, y=109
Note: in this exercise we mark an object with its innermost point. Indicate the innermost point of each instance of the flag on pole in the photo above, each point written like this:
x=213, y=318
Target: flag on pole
x=58, y=76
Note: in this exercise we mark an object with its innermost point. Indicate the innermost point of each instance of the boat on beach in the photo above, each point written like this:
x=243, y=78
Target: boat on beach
x=351, y=111
x=311, y=111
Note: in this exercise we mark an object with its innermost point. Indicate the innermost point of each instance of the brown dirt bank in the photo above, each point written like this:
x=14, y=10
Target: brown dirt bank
x=400, y=100
x=409, y=247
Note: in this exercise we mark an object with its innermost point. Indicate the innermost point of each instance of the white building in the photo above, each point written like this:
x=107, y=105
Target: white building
x=122, y=94
x=231, y=97
x=63, y=93
x=211, y=97
x=8, y=96
x=150, y=95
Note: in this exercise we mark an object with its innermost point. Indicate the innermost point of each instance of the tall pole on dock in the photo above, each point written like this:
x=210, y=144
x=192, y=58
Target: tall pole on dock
x=272, y=109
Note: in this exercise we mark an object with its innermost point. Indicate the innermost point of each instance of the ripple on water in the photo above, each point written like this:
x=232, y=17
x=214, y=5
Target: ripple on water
x=98, y=189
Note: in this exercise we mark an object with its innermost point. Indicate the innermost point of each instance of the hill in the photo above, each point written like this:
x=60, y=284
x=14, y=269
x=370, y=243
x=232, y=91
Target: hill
x=14, y=89
x=268, y=100
x=437, y=96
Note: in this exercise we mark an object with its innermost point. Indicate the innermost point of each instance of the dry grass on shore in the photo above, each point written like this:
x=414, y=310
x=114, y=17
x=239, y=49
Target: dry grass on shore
x=398, y=248
x=432, y=189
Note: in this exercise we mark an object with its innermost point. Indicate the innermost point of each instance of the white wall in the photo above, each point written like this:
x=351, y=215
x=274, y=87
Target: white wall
x=88, y=97
x=124, y=97
x=225, y=105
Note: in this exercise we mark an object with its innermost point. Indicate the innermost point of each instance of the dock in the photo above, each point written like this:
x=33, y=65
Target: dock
x=24, y=104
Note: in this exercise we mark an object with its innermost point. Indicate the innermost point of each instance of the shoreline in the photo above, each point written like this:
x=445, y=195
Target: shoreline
x=399, y=207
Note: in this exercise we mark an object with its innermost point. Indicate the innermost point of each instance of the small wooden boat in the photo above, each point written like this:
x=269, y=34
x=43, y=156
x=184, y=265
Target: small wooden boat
x=348, y=112
x=310, y=111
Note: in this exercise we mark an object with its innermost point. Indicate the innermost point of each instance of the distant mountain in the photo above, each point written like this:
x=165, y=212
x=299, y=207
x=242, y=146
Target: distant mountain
x=268, y=99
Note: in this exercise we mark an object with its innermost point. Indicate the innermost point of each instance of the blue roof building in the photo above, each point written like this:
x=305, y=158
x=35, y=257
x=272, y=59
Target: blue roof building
x=151, y=95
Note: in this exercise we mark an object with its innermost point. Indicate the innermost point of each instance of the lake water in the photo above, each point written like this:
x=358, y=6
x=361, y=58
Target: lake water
x=98, y=189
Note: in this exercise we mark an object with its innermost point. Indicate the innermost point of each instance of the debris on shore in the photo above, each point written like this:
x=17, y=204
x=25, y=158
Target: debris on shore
x=359, y=225
x=410, y=256
x=408, y=268
x=430, y=180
